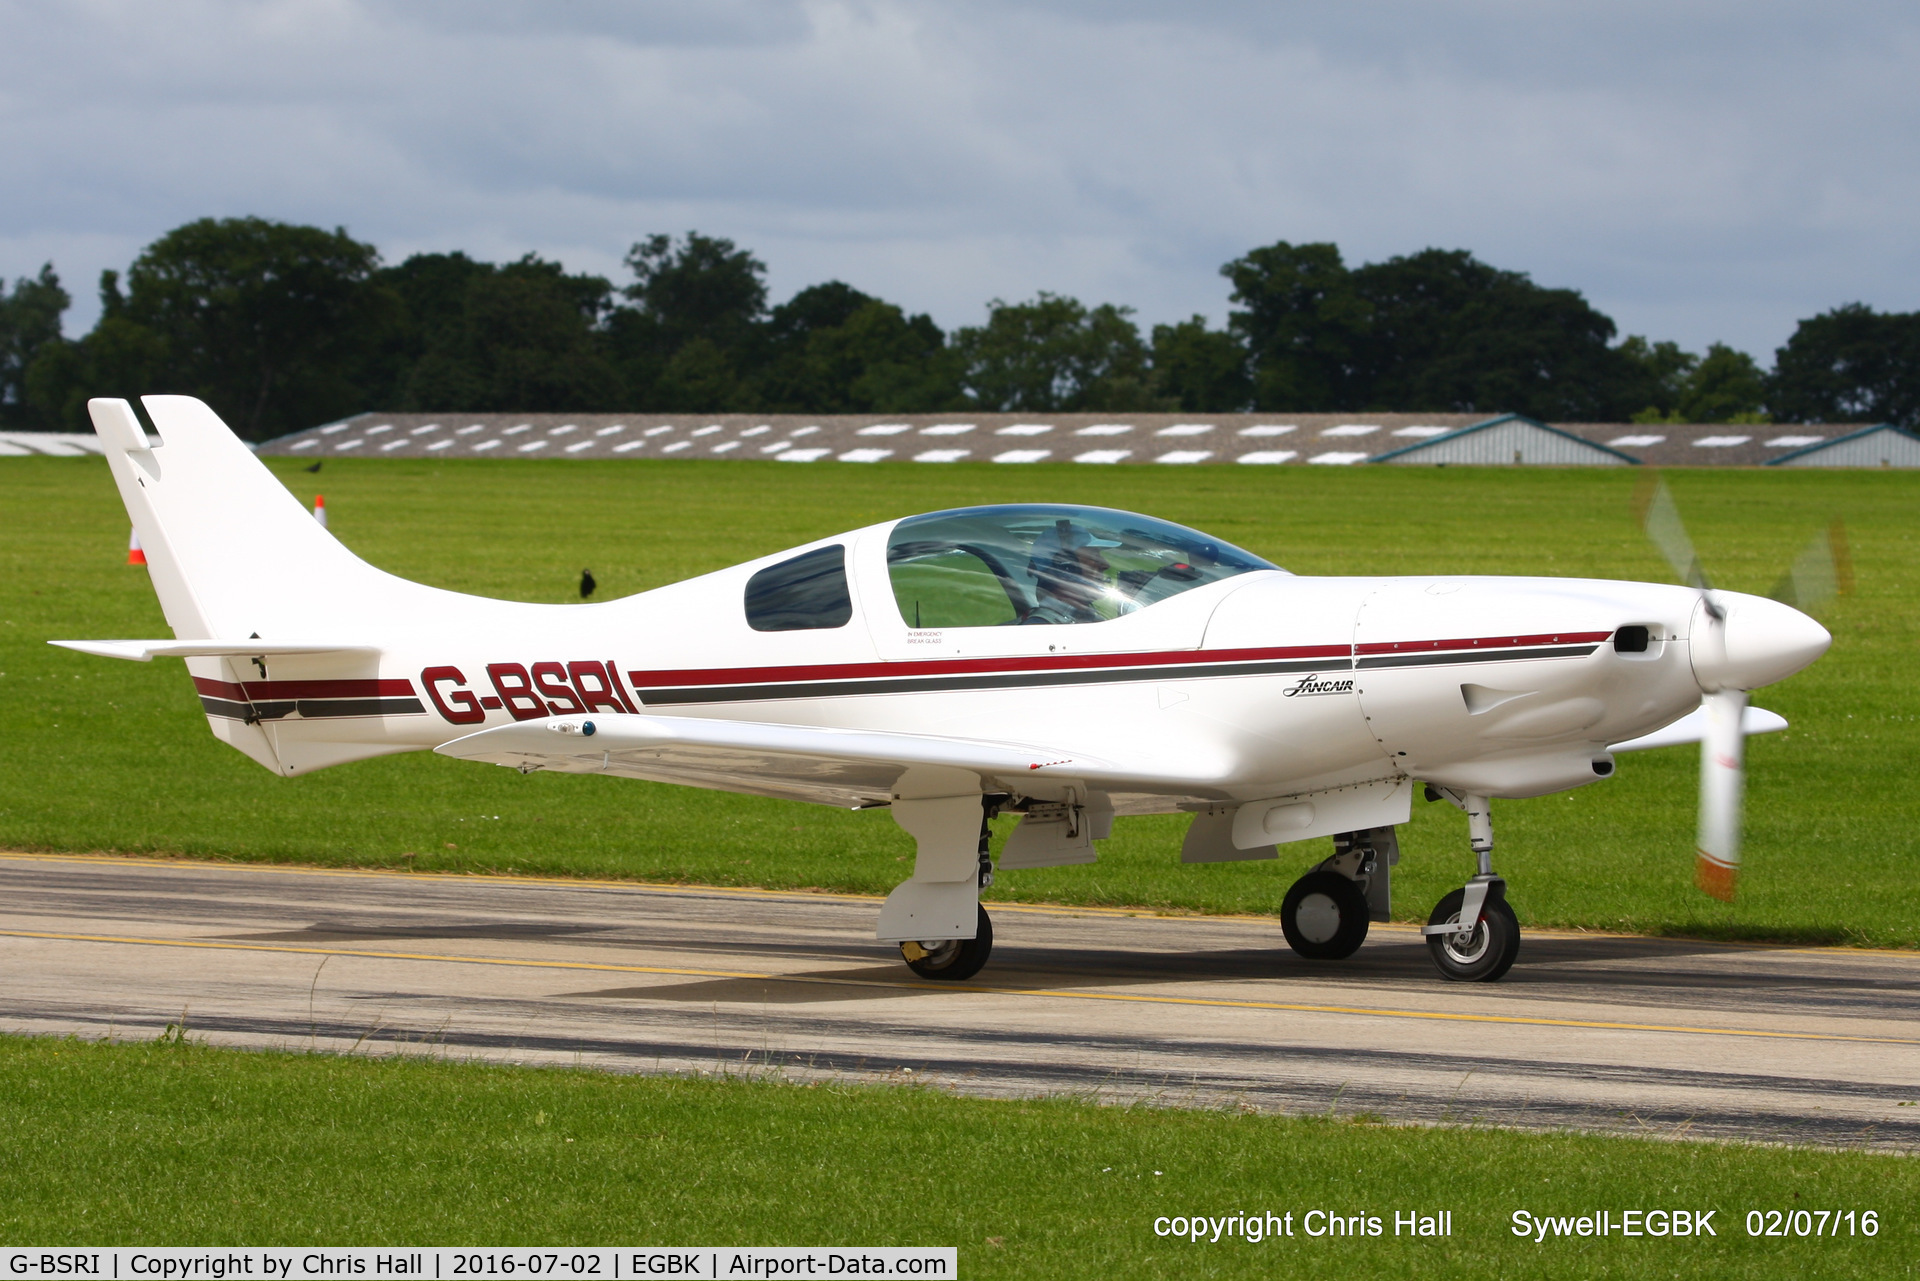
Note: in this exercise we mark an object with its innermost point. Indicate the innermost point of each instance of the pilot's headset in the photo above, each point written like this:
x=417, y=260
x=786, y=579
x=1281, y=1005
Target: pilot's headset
x=1052, y=554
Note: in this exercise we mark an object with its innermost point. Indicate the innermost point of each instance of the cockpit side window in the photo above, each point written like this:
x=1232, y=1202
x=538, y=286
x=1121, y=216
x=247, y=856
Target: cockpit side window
x=1038, y=564
x=806, y=593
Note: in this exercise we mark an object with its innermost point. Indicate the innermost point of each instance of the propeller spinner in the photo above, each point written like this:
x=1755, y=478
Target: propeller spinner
x=1739, y=643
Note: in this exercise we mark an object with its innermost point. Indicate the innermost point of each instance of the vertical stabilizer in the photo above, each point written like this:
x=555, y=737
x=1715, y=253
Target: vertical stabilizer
x=232, y=553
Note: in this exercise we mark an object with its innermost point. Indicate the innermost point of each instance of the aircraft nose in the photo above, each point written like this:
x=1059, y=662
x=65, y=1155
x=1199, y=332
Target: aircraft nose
x=1760, y=641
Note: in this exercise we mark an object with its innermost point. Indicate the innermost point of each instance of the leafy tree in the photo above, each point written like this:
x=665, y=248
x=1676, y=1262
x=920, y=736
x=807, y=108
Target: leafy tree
x=1202, y=370
x=1437, y=330
x=1055, y=354
x=431, y=290
x=1303, y=325
x=1446, y=331
x=700, y=377
x=1725, y=387
x=270, y=323
x=1656, y=376
x=1851, y=364
x=704, y=287
x=1516, y=348
x=29, y=325
x=813, y=310
x=833, y=349
x=524, y=337
x=120, y=357
x=788, y=381
x=699, y=290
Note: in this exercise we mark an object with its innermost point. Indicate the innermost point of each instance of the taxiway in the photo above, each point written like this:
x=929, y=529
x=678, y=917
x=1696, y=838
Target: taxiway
x=1652, y=1036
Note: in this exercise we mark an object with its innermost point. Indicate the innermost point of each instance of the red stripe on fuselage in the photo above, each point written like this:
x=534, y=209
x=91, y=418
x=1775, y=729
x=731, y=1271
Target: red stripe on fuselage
x=945, y=666
x=1482, y=642
x=1082, y=662
x=276, y=691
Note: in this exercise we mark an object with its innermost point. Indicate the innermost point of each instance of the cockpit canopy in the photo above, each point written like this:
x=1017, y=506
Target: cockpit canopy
x=1029, y=563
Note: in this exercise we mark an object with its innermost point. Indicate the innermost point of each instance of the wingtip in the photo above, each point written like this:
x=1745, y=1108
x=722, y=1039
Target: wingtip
x=134, y=651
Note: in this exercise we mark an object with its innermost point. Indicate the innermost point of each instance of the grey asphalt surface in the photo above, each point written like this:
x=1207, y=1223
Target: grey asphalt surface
x=1651, y=1036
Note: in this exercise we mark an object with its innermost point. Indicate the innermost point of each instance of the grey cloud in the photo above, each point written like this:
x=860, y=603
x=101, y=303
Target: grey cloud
x=684, y=23
x=1702, y=171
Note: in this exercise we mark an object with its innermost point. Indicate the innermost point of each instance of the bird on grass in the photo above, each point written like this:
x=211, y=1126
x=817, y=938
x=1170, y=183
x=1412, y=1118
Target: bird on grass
x=586, y=583
x=316, y=466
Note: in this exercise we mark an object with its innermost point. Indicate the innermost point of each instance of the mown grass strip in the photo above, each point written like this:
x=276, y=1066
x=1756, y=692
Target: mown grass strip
x=168, y=1144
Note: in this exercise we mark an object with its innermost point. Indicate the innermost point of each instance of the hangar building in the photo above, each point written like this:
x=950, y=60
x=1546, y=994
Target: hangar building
x=1338, y=440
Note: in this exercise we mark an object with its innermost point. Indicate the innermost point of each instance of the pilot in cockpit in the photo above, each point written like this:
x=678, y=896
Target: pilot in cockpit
x=1070, y=574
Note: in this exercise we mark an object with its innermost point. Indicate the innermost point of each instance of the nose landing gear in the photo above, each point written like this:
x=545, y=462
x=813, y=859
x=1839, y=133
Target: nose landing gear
x=1473, y=934
x=1480, y=952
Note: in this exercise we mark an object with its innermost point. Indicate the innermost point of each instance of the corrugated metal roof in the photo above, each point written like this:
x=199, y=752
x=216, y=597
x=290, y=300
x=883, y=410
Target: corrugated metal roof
x=1253, y=439
x=1095, y=439
x=1510, y=440
x=60, y=443
x=1876, y=446
x=1707, y=444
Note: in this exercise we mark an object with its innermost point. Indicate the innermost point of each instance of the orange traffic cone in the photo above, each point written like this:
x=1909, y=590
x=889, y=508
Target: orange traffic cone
x=320, y=509
x=134, y=555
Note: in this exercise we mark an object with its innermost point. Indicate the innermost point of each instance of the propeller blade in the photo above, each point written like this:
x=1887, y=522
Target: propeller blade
x=1723, y=782
x=1823, y=570
x=1653, y=503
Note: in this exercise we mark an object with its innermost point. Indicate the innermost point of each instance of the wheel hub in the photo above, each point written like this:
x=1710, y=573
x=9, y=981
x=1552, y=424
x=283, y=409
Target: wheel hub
x=936, y=951
x=1317, y=918
x=1467, y=948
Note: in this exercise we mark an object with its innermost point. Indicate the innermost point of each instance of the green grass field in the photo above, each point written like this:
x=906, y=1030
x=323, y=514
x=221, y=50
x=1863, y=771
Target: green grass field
x=105, y=755
x=178, y=1144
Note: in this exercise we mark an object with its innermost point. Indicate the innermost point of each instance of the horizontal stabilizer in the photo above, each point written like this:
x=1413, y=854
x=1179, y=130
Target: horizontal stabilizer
x=829, y=765
x=1692, y=727
x=145, y=651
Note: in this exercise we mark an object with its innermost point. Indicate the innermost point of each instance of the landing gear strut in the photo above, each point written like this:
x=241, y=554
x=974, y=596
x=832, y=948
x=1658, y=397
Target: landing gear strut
x=1473, y=933
x=957, y=959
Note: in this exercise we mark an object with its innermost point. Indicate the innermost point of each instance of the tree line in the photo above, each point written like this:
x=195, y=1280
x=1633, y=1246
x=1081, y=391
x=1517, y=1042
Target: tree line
x=281, y=326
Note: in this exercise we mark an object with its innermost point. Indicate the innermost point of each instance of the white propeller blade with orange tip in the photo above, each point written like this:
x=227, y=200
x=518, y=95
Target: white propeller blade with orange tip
x=1725, y=627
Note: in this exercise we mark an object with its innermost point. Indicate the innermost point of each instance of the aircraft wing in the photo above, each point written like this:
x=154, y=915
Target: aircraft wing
x=145, y=651
x=1692, y=727
x=802, y=762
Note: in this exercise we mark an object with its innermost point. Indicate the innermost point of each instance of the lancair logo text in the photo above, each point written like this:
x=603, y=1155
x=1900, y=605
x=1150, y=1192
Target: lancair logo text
x=1312, y=684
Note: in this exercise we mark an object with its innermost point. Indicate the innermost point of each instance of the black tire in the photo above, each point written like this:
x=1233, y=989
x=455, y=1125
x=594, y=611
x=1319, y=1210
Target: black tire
x=1482, y=956
x=1324, y=916
x=951, y=959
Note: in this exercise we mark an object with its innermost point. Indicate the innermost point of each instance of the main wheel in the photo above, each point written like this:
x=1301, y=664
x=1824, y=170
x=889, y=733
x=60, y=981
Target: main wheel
x=1483, y=955
x=953, y=959
x=1324, y=916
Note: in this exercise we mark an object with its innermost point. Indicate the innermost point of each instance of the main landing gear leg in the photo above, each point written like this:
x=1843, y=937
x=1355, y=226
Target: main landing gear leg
x=1473, y=933
x=936, y=917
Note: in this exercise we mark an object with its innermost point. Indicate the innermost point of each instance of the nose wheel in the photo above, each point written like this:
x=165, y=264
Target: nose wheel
x=951, y=959
x=1473, y=934
x=1481, y=953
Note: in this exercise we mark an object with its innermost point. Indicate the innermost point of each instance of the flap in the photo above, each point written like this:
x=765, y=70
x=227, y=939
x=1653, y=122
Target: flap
x=833, y=766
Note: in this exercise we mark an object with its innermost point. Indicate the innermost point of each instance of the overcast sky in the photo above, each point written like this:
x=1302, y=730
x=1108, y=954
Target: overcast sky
x=1701, y=171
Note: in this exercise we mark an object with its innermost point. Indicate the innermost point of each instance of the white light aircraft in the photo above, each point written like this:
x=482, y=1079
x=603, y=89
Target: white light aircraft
x=1064, y=663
